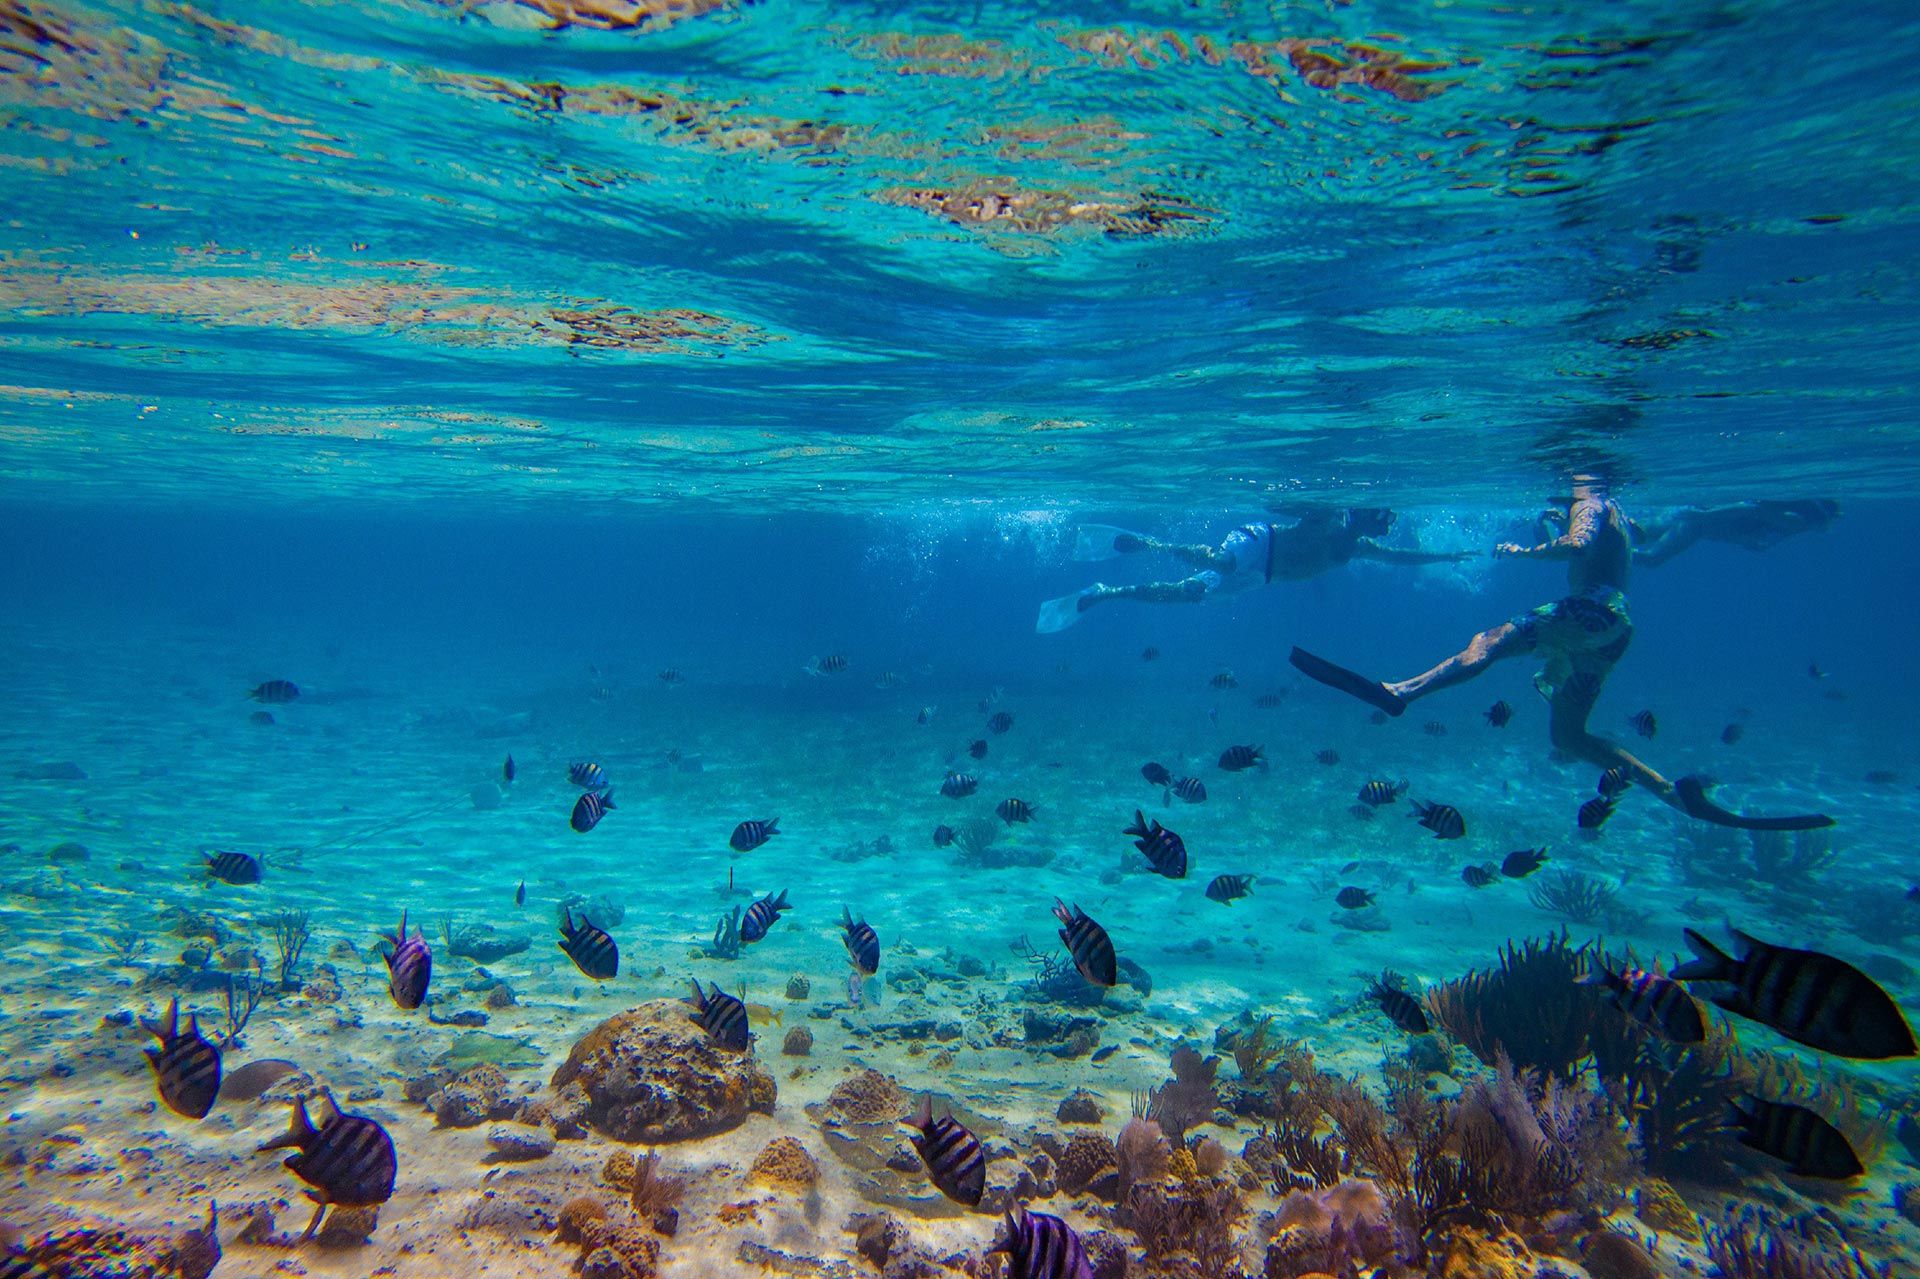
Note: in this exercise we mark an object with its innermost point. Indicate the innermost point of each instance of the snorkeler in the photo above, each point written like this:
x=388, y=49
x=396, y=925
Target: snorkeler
x=1580, y=638
x=1757, y=526
x=1252, y=555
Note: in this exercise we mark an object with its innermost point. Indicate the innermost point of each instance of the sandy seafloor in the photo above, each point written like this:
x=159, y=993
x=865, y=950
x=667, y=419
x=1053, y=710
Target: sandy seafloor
x=370, y=776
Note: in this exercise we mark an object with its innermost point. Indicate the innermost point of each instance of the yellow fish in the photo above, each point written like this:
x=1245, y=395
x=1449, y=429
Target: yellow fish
x=761, y=1015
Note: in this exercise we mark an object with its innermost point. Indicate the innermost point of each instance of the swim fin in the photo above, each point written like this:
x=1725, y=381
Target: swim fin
x=1095, y=542
x=1058, y=615
x=1372, y=692
x=1693, y=798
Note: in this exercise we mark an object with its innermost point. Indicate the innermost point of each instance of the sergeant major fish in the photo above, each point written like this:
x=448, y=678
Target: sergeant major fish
x=955, y=1161
x=1088, y=943
x=409, y=966
x=592, y=951
x=1228, y=889
x=348, y=1160
x=722, y=1016
x=1811, y=998
x=186, y=1067
x=589, y=809
x=762, y=915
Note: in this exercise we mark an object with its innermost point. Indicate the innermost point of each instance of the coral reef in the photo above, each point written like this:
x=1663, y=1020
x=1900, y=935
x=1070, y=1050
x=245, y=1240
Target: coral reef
x=653, y=1193
x=785, y=1162
x=1752, y=1243
x=1084, y=1158
x=1188, y=1099
x=869, y=1097
x=472, y=1097
x=651, y=1075
x=609, y=1251
x=243, y=997
x=798, y=1043
x=107, y=1250
x=726, y=937
x=1531, y=1007
x=1331, y=1231
x=576, y=1215
x=1575, y=896
x=290, y=936
x=1141, y=1156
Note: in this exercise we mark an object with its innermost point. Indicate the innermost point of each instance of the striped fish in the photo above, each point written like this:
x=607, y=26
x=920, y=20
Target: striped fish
x=1480, y=876
x=1377, y=793
x=942, y=835
x=863, y=944
x=1224, y=680
x=1089, y=944
x=832, y=664
x=1043, y=1247
x=1014, y=810
x=1807, y=1143
x=977, y=748
x=1227, y=889
x=1156, y=773
x=348, y=1160
x=1594, y=813
x=1643, y=723
x=1000, y=722
x=186, y=1068
x=589, y=809
x=723, y=1017
x=1443, y=820
x=234, y=868
x=959, y=785
x=748, y=836
x=1500, y=714
x=1235, y=758
x=1166, y=850
x=409, y=966
x=588, y=946
x=1811, y=998
x=762, y=915
x=1523, y=862
x=1190, y=789
x=587, y=775
x=275, y=691
x=953, y=1156
x=1659, y=1003
x=1402, y=1009
x=672, y=677
x=1269, y=701
x=1613, y=783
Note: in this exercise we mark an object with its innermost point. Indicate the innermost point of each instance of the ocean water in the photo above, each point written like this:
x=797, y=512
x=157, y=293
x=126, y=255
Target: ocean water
x=564, y=380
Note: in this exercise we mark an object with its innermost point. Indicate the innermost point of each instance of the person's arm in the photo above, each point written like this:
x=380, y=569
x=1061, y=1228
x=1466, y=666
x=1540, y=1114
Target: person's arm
x=1656, y=545
x=1367, y=549
x=1582, y=529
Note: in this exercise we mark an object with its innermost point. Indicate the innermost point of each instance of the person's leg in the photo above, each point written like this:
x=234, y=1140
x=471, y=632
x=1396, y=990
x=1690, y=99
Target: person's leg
x=1190, y=590
x=1509, y=639
x=1194, y=555
x=1570, y=709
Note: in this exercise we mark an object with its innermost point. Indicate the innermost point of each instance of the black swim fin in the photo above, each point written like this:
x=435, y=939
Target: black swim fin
x=1693, y=798
x=1372, y=692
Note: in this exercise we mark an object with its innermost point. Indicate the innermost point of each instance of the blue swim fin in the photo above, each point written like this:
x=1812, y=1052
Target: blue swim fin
x=1095, y=542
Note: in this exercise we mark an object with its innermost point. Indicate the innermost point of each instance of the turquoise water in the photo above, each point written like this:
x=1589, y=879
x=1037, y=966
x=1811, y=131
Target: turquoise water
x=516, y=386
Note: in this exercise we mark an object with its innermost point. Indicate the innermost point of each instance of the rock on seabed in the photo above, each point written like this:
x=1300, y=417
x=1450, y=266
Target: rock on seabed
x=651, y=1075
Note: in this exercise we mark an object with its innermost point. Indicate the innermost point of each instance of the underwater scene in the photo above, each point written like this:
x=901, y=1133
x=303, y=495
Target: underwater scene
x=1181, y=639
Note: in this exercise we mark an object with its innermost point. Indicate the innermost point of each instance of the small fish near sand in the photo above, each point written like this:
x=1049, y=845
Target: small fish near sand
x=672, y=677
x=1659, y=1003
x=1088, y=943
x=508, y=771
x=1731, y=734
x=831, y=664
x=588, y=775
x=409, y=966
x=1001, y=722
x=1156, y=773
x=723, y=1017
x=1041, y=1247
x=276, y=692
x=589, y=809
x=1376, y=794
x=1443, y=820
x=1326, y=758
x=186, y=1066
x=1523, y=862
x=592, y=951
x=959, y=785
x=233, y=868
x=520, y=894
x=348, y=1160
x=749, y=835
x=1166, y=851
x=1237, y=759
x=1353, y=898
x=1811, y=998
x=762, y=915
x=1499, y=715
x=1012, y=810
x=1149, y=654
x=1228, y=889
x=1643, y=723
x=1480, y=876
x=942, y=836
x=1190, y=789
x=863, y=944
x=1806, y=1142
x=1223, y=681
x=1594, y=813
x=977, y=749
x=1401, y=1008
x=953, y=1156
x=252, y=1080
